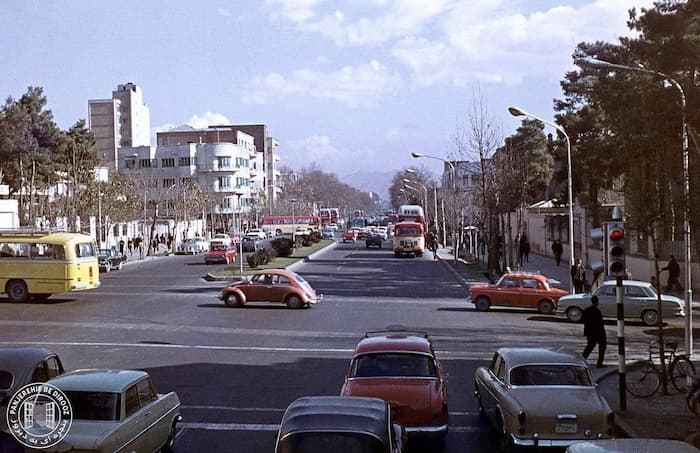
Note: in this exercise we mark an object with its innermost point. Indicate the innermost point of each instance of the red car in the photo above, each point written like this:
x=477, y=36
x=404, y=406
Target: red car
x=220, y=252
x=349, y=235
x=271, y=285
x=517, y=289
x=400, y=367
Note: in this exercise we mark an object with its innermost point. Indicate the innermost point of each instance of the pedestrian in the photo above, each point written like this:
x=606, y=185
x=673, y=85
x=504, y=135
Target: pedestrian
x=130, y=245
x=121, y=246
x=578, y=275
x=524, y=249
x=594, y=331
x=557, y=250
x=674, y=272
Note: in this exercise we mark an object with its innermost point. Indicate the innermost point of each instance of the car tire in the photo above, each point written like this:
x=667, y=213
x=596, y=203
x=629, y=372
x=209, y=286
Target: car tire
x=482, y=303
x=121, y=265
x=546, y=307
x=294, y=301
x=170, y=442
x=17, y=291
x=574, y=314
x=650, y=318
x=505, y=442
x=108, y=267
x=233, y=300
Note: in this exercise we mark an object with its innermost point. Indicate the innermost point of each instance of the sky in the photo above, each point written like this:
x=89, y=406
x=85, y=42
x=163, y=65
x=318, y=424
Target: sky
x=349, y=86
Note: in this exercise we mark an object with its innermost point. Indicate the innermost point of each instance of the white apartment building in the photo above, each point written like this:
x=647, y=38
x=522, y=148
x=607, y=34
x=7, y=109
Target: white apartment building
x=123, y=120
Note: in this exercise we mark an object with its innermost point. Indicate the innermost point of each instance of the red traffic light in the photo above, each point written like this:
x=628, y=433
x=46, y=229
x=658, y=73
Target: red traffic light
x=617, y=234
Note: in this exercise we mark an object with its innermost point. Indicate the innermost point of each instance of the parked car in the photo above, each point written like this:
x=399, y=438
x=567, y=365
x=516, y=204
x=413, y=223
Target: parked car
x=21, y=366
x=223, y=237
x=193, y=246
x=640, y=302
x=109, y=259
x=400, y=367
x=382, y=231
x=250, y=244
x=256, y=233
x=349, y=235
x=541, y=397
x=117, y=410
x=333, y=226
x=271, y=285
x=220, y=253
x=339, y=424
x=517, y=289
x=327, y=233
x=373, y=240
x=632, y=446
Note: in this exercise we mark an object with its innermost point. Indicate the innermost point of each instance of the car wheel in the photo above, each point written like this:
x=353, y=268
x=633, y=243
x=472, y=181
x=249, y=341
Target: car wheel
x=505, y=442
x=108, y=267
x=121, y=265
x=574, y=314
x=294, y=301
x=232, y=300
x=650, y=318
x=482, y=303
x=545, y=307
x=170, y=442
x=17, y=291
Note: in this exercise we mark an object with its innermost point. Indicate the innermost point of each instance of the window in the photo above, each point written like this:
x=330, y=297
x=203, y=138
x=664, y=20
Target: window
x=185, y=161
x=509, y=283
x=634, y=291
x=531, y=283
x=54, y=368
x=550, y=375
x=146, y=392
x=608, y=290
x=130, y=163
x=224, y=182
x=223, y=162
x=145, y=163
x=40, y=373
x=100, y=406
x=132, y=400
x=241, y=162
x=167, y=162
x=168, y=182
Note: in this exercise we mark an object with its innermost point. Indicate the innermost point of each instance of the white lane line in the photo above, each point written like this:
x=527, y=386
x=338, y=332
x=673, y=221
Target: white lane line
x=276, y=427
x=233, y=409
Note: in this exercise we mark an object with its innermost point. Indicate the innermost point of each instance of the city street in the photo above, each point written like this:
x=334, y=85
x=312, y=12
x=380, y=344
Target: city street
x=236, y=369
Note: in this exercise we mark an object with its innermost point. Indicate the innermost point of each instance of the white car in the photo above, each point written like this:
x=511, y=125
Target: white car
x=382, y=231
x=333, y=226
x=256, y=233
x=193, y=246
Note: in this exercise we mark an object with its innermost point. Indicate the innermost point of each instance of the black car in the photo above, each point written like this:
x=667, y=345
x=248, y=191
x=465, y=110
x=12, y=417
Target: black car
x=110, y=259
x=373, y=240
x=250, y=244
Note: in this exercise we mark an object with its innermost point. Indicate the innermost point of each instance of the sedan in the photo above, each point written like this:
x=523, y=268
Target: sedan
x=271, y=285
x=220, y=253
x=110, y=259
x=21, y=366
x=517, y=289
x=117, y=410
x=541, y=397
x=640, y=302
x=400, y=367
x=192, y=246
x=349, y=236
x=373, y=240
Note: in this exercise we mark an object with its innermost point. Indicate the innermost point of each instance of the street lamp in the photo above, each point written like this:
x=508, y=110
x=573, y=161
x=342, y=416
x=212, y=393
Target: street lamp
x=600, y=64
x=99, y=218
x=454, y=188
x=515, y=111
x=294, y=226
x=425, y=191
x=435, y=208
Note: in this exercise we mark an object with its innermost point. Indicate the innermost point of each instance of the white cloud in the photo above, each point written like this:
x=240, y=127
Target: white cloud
x=223, y=12
x=208, y=119
x=294, y=10
x=354, y=86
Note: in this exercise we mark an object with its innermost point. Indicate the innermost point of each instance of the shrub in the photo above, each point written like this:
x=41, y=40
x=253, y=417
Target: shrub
x=253, y=260
x=282, y=246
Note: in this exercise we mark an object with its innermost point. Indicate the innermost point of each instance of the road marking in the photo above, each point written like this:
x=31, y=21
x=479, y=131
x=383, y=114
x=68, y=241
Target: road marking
x=276, y=427
x=233, y=409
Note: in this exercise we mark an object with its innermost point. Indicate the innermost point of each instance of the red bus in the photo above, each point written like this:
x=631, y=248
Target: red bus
x=286, y=224
x=329, y=215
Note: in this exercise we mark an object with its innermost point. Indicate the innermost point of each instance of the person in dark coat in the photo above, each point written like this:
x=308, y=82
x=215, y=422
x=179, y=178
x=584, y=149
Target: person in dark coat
x=524, y=249
x=578, y=275
x=674, y=273
x=594, y=331
x=557, y=250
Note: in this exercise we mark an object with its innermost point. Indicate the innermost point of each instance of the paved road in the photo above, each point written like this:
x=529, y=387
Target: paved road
x=236, y=370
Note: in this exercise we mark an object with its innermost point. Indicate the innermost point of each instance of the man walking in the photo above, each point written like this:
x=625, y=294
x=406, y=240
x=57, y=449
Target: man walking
x=594, y=331
x=578, y=275
x=557, y=250
x=674, y=272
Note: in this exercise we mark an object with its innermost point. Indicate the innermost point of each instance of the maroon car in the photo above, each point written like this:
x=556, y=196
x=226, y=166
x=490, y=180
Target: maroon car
x=271, y=285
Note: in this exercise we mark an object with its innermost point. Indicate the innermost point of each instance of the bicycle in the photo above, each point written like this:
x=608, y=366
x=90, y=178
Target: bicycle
x=644, y=378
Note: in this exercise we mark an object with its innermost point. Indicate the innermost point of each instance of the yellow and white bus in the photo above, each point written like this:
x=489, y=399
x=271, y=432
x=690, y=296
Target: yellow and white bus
x=39, y=263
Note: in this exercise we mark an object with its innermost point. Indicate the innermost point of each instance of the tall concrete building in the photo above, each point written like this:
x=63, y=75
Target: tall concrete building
x=123, y=120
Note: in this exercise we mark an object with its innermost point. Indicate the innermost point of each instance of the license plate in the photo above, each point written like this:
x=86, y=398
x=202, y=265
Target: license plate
x=565, y=428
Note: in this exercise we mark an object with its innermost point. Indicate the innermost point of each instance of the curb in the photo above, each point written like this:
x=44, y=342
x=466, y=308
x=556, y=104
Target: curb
x=620, y=424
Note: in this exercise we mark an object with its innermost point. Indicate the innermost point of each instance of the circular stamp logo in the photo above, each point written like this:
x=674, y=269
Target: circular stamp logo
x=39, y=415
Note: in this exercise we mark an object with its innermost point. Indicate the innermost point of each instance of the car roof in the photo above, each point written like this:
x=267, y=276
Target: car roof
x=526, y=275
x=408, y=341
x=21, y=362
x=98, y=380
x=337, y=413
x=613, y=282
x=515, y=356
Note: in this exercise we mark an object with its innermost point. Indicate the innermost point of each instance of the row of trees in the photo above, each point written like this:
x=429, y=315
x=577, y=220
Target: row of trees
x=625, y=129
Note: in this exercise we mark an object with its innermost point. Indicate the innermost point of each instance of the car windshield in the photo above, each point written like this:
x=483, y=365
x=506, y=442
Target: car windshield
x=100, y=406
x=312, y=442
x=576, y=375
x=394, y=365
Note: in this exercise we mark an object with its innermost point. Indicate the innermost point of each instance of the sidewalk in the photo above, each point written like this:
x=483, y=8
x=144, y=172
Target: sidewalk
x=659, y=416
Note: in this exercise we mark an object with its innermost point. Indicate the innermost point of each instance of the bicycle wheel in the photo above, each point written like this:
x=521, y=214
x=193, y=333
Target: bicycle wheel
x=642, y=380
x=682, y=373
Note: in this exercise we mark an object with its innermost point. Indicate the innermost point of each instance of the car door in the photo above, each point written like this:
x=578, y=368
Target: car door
x=636, y=301
x=531, y=291
x=131, y=427
x=507, y=291
x=256, y=290
x=607, y=301
x=149, y=414
x=493, y=386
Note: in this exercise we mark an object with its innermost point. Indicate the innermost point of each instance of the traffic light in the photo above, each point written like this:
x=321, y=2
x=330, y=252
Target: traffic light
x=616, y=249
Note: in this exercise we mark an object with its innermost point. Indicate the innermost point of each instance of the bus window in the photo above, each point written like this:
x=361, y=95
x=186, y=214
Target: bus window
x=42, y=251
x=84, y=249
x=59, y=252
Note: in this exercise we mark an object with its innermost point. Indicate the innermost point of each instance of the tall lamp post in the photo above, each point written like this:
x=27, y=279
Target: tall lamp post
x=435, y=208
x=454, y=196
x=294, y=225
x=515, y=111
x=425, y=199
x=600, y=64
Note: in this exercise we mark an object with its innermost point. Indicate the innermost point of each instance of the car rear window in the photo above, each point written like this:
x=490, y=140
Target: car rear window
x=101, y=406
x=6, y=380
x=394, y=365
x=313, y=442
x=550, y=375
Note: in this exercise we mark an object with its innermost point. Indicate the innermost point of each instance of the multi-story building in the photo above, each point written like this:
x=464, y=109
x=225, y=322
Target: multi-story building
x=123, y=120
